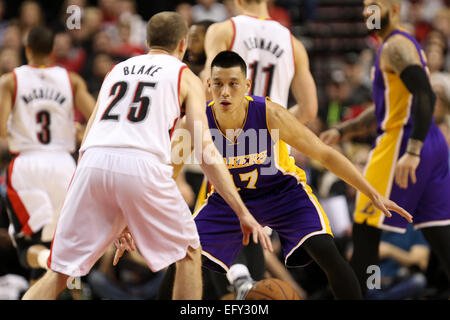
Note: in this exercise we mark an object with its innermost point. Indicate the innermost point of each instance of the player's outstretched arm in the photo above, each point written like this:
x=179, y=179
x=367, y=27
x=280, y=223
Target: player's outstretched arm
x=303, y=86
x=212, y=164
x=304, y=140
x=7, y=87
x=363, y=124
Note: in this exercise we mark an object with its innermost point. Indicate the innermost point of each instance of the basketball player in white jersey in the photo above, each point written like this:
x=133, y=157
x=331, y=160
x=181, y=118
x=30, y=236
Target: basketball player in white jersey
x=37, y=119
x=124, y=177
x=276, y=60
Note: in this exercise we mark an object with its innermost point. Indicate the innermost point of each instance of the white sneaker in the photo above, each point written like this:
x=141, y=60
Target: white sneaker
x=242, y=286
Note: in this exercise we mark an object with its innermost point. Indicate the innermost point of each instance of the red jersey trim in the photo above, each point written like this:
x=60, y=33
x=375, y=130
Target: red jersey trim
x=293, y=51
x=179, y=87
x=234, y=34
x=15, y=89
x=71, y=88
x=17, y=204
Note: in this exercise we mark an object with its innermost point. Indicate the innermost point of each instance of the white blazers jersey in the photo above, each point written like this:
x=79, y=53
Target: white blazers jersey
x=138, y=105
x=266, y=46
x=42, y=116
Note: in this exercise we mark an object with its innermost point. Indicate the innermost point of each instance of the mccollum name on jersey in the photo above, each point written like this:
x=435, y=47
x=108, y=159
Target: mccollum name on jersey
x=43, y=94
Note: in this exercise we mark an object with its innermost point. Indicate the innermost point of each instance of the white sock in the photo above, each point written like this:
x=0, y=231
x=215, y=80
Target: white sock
x=237, y=271
x=43, y=257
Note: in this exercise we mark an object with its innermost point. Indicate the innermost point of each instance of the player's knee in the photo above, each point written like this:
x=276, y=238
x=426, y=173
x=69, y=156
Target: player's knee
x=193, y=255
x=59, y=279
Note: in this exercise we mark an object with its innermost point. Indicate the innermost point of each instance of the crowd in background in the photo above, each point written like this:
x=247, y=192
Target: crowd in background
x=114, y=30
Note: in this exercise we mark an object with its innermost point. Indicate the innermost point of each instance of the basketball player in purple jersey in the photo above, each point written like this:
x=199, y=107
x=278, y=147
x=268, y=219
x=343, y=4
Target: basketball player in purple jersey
x=409, y=162
x=269, y=182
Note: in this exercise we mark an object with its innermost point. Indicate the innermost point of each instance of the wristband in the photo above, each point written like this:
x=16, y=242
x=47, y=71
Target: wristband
x=413, y=154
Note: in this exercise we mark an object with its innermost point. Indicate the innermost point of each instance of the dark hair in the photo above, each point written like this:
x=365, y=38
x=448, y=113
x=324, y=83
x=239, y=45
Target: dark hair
x=166, y=29
x=40, y=40
x=204, y=23
x=229, y=59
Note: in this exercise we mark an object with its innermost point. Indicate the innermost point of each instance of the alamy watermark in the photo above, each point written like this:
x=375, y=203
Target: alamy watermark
x=373, y=21
x=238, y=149
x=73, y=21
x=374, y=278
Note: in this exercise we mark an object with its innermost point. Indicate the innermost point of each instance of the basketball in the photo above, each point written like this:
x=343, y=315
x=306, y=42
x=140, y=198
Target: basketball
x=272, y=289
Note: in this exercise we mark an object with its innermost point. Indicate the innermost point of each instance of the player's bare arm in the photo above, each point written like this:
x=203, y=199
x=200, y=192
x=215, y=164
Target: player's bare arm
x=303, y=86
x=88, y=126
x=179, y=146
x=192, y=96
x=400, y=56
x=304, y=140
x=83, y=100
x=218, y=38
x=7, y=87
x=362, y=125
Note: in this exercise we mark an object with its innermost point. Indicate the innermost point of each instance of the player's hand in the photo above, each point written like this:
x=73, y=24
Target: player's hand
x=406, y=167
x=250, y=226
x=385, y=205
x=330, y=136
x=124, y=242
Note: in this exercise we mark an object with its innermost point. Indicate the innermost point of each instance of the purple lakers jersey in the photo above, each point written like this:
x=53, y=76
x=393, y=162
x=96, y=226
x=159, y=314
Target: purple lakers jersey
x=258, y=161
x=392, y=99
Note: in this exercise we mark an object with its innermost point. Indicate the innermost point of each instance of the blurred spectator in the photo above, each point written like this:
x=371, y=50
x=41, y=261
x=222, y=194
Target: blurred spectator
x=209, y=10
x=12, y=38
x=66, y=55
x=420, y=14
x=110, y=11
x=129, y=280
x=361, y=94
x=442, y=24
x=435, y=51
x=279, y=14
x=128, y=12
x=9, y=59
x=185, y=9
x=30, y=15
x=196, y=57
x=338, y=92
x=124, y=48
x=101, y=43
x=102, y=64
x=3, y=23
x=403, y=263
x=232, y=9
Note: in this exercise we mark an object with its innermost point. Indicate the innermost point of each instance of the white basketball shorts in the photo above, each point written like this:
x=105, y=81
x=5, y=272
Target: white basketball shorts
x=37, y=183
x=113, y=188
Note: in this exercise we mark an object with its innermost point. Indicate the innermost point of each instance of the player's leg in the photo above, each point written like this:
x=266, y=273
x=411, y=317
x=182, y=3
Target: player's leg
x=432, y=214
x=366, y=240
x=439, y=239
x=188, y=276
x=48, y=287
x=341, y=277
x=159, y=220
